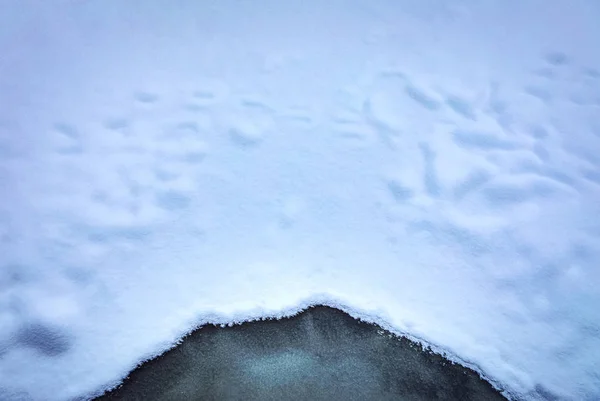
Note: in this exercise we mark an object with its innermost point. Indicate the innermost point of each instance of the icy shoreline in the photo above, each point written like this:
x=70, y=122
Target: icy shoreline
x=289, y=333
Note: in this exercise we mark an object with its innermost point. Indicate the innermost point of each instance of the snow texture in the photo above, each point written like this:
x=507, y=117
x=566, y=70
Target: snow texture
x=430, y=165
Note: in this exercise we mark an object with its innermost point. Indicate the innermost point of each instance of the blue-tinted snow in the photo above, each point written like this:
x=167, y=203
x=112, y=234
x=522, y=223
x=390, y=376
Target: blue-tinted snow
x=430, y=165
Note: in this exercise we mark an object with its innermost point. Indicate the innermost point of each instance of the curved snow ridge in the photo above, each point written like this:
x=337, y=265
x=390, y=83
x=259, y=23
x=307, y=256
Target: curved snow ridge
x=368, y=316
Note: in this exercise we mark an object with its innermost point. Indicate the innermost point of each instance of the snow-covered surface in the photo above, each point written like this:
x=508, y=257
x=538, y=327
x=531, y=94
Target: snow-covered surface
x=432, y=165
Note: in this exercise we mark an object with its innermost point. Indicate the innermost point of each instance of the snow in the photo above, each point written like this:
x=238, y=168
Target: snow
x=432, y=166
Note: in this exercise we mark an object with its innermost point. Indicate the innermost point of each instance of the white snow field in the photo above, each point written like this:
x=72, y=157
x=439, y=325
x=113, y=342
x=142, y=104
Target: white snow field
x=430, y=165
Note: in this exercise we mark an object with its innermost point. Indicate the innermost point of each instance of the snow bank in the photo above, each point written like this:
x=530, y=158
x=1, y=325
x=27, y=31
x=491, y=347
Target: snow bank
x=430, y=165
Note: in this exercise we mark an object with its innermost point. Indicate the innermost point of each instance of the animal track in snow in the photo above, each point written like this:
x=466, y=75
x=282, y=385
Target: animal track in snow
x=422, y=98
x=146, y=97
x=211, y=93
x=507, y=193
x=396, y=106
x=475, y=180
x=68, y=139
x=182, y=141
x=350, y=126
x=116, y=124
x=400, y=193
x=476, y=140
x=539, y=92
x=430, y=180
x=171, y=200
x=461, y=106
x=249, y=123
x=47, y=340
x=556, y=59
